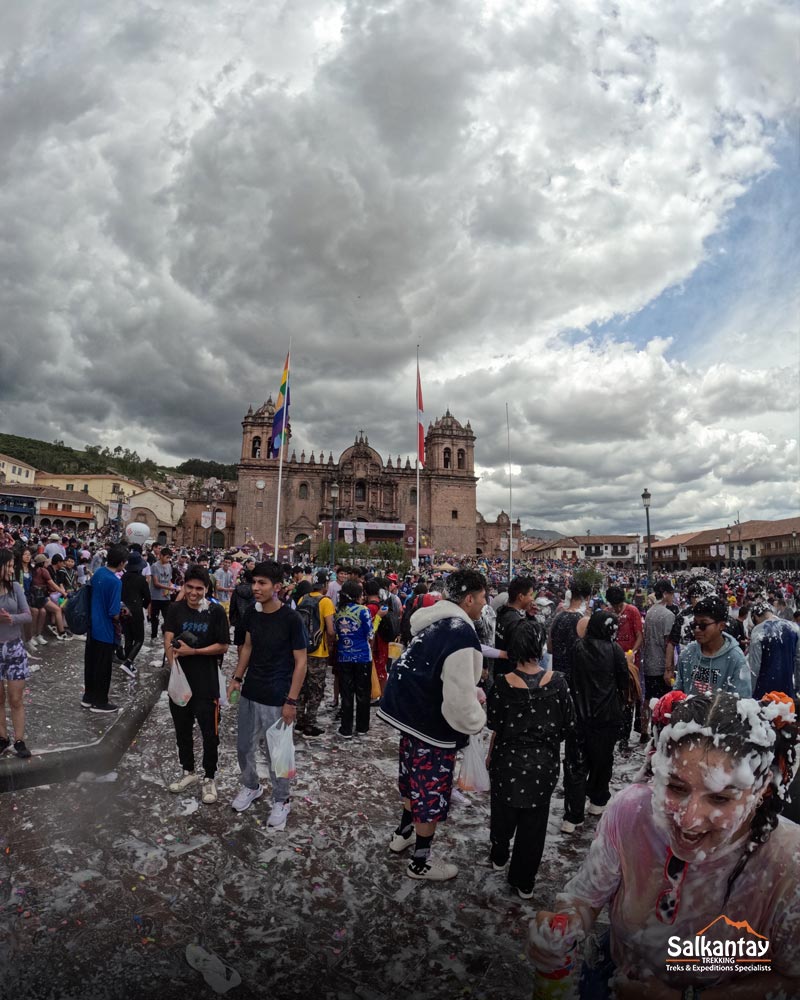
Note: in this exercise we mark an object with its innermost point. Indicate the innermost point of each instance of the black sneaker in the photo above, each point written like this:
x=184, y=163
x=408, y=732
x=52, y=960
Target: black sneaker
x=119, y=654
x=128, y=668
x=312, y=732
x=21, y=750
x=106, y=709
x=5, y=743
x=85, y=703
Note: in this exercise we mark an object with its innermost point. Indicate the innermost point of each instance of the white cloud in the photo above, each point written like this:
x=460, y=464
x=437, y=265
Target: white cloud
x=185, y=189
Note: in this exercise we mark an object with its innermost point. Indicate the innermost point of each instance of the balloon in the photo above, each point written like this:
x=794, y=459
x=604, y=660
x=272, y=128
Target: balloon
x=137, y=533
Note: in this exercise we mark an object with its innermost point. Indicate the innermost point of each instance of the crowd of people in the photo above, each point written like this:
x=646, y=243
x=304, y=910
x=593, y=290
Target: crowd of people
x=703, y=672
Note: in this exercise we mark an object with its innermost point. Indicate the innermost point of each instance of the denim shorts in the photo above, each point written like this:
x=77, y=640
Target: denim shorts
x=14, y=661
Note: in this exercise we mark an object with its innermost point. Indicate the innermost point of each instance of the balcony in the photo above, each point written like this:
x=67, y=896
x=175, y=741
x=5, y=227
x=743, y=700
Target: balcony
x=9, y=506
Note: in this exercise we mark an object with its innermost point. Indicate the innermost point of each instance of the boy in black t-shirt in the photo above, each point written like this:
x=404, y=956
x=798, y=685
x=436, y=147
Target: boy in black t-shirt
x=196, y=633
x=270, y=673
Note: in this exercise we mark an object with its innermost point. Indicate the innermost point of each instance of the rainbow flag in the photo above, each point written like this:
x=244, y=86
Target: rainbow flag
x=281, y=419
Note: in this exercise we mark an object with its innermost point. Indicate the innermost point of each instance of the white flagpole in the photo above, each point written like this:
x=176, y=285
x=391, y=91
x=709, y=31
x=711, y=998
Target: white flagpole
x=280, y=452
x=510, y=505
x=416, y=393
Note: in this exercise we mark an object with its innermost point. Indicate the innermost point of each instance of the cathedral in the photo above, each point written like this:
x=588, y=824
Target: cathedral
x=370, y=499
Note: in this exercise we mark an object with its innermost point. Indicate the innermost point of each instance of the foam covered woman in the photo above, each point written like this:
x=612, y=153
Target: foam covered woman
x=696, y=866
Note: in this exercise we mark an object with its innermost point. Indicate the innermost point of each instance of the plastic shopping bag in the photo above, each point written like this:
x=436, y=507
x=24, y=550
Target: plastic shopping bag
x=223, y=689
x=280, y=743
x=178, y=688
x=473, y=776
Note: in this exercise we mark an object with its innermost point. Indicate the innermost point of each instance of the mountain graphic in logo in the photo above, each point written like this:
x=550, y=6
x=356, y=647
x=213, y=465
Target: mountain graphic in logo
x=739, y=925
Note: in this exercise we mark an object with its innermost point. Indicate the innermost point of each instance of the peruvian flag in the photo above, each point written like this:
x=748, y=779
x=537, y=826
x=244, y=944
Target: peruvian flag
x=420, y=428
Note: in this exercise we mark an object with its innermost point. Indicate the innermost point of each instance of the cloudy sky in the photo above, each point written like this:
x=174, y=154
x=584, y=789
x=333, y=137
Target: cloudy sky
x=585, y=209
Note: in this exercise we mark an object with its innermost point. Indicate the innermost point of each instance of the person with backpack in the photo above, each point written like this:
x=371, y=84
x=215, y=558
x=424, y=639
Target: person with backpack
x=135, y=597
x=353, y=635
x=386, y=628
x=105, y=604
x=317, y=614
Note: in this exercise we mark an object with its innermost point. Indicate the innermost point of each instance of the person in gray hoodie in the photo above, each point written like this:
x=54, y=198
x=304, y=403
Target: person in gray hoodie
x=713, y=661
x=431, y=698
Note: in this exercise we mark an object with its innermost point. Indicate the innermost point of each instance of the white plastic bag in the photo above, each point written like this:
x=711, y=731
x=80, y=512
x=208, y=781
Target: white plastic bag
x=178, y=688
x=223, y=689
x=473, y=776
x=280, y=743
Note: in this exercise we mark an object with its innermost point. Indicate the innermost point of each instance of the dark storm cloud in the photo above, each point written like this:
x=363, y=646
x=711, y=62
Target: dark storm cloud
x=186, y=189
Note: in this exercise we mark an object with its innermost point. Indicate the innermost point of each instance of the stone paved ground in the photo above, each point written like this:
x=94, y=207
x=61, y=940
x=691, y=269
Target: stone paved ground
x=104, y=881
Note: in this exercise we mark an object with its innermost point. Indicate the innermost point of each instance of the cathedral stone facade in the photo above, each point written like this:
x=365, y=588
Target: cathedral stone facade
x=377, y=499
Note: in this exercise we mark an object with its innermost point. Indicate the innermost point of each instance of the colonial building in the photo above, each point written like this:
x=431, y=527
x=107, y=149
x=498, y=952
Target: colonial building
x=13, y=470
x=48, y=507
x=375, y=499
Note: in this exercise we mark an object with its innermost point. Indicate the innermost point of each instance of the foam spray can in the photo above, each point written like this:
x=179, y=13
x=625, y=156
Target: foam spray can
x=558, y=984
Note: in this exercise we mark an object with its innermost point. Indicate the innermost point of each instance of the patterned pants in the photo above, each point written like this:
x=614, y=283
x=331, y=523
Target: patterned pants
x=312, y=692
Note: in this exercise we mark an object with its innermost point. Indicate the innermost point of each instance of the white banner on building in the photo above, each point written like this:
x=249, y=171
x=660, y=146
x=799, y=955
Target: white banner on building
x=221, y=519
x=348, y=535
x=360, y=535
x=205, y=519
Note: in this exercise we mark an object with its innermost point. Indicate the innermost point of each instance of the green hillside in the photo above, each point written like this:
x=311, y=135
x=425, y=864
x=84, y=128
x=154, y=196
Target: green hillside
x=55, y=457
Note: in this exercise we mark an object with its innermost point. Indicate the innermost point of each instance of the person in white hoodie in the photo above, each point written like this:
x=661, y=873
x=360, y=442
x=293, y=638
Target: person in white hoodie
x=431, y=698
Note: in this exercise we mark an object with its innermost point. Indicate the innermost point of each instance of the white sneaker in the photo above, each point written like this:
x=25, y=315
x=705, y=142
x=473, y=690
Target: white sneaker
x=435, y=870
x=567, y=827
x=458, y=798
x=279, y=815
x=209, y=791
x=245, y=797
x=594, y=810
x=189, y=778
x=33, y=667
x=33, y=650
x=399, y=843
x=40, y=639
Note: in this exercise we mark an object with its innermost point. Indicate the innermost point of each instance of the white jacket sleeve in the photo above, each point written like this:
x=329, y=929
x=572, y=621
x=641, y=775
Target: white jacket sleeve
x=460, y=707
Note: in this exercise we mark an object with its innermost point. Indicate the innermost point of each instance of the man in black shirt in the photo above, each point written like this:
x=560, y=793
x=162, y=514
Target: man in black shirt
x=196, y=635
x=270, y=675
x=520, y=597
x=564, y=628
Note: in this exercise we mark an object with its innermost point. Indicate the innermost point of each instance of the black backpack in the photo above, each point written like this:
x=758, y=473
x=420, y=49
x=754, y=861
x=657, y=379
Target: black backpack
x=308, y=610
x=78, y=610
x=414, y=604
x=389, y=627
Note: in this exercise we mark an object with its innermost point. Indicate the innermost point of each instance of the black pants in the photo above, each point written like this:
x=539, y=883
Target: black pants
x=588, y=764
x=98, y=658
x=133, y=631
x=528, y=827
x=155, y=607
x=206, y=712
x=355, y=683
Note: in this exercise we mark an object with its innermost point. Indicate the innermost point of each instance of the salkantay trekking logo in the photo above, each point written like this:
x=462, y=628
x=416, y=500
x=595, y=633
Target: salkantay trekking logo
x=715, y=949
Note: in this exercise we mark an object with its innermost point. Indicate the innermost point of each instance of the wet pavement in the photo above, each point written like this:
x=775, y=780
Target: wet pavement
x=105, y=881
x=54, y=719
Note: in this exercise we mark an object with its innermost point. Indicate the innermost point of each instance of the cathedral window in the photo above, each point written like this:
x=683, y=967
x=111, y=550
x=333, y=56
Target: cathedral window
x=302, y=491
x=255, y=451
x=412, y=496
x=448, y=458
x=462, y=458
x=361, y=492
x=453, y=515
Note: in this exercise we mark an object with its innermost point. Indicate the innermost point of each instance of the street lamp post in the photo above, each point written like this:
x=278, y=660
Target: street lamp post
x=719, y=561
x=646, y=496
x=334, y=498
x=588, y=542
x=729, y=550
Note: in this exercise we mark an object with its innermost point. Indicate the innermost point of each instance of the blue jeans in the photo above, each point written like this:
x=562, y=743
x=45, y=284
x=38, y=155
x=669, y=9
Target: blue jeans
x=593, y=983
x=254, y=721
